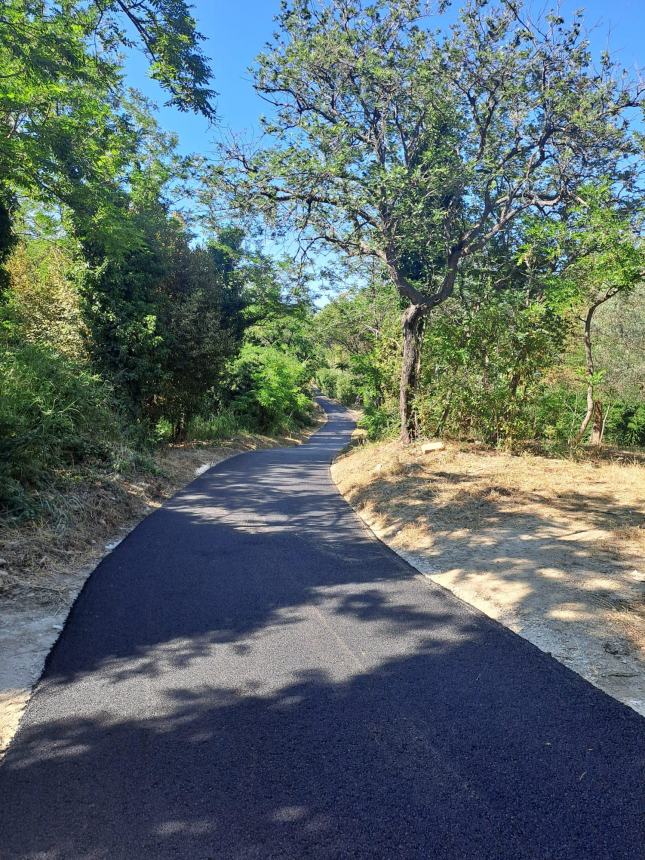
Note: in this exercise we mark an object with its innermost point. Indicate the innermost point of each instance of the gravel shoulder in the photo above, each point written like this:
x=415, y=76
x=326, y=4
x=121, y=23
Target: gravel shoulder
x=550, y=548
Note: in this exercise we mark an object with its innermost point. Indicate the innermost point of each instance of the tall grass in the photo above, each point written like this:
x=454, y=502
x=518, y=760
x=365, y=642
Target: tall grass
x=215, y=428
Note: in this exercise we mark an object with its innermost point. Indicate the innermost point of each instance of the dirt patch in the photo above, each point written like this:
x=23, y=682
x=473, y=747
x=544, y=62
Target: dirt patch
x=550, y=548
x=43, y=565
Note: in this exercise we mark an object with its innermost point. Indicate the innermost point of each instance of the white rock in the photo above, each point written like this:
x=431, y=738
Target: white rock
x=428, y=447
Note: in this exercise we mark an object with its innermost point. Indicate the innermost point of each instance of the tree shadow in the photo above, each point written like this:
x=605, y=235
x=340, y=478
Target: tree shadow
x=455, y=750
x=534, y=561
x=250, y=674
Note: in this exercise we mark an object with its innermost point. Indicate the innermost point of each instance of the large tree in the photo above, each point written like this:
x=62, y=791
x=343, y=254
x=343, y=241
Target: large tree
x=419, y=147
x=65, y=134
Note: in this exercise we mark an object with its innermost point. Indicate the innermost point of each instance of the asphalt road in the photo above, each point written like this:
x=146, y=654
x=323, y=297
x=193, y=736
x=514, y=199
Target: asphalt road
x=251, y=674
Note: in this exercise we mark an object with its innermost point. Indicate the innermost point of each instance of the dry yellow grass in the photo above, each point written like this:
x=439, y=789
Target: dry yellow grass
x=549, y=547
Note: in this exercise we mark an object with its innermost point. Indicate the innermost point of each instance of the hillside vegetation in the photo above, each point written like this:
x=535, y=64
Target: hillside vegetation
x=127, y=320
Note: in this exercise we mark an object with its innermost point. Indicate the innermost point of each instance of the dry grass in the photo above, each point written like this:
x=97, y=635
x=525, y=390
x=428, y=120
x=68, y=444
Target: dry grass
x=466, y=486
x=549, y=547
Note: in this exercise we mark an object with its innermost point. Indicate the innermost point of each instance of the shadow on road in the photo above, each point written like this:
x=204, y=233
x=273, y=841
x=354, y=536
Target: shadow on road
x=250, y=674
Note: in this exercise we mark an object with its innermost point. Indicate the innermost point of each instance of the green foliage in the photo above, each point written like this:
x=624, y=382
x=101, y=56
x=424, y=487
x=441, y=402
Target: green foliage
x=346, y=388
x=400, y=146
x=326, y=380
x=275, y=319
x=270, y=389
x=420, y=146
x=8, y=238
x=485, y=364
x=596, y=257
x=121, y=315
x=380, y=421
x=357, y=337
x=54, y=415
x=163, y=430
x=554, y=415
x=500, y=362
x=338, y=384
x=157, y=319
x=69, y=134
x=625, y=424
x=619, y=335
x=43, y=302
x=223, y=425
x=167, y=33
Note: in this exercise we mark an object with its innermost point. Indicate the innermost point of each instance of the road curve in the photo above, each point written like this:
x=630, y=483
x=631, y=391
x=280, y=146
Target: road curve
x=251, y=674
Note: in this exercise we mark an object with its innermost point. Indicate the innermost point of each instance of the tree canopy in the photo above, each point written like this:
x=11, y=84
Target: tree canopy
x=420, y=147
x=69, y=135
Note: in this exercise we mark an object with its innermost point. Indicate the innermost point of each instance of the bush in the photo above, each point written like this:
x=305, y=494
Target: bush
x=485, y=363
x=626, y=424
x=337, y=384
x=558, y=413
x=346, y=389
x=270, y=389
x=214, y=428
x=326, y=379
x=54, y=414
x=163, y=430
x=379, y=422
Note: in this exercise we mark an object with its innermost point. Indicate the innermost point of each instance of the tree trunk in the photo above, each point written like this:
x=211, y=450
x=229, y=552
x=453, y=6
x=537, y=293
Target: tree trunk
x=8, y=237
x=593, y=415
x=413, y=320
x=179, y=429
x=596, y=424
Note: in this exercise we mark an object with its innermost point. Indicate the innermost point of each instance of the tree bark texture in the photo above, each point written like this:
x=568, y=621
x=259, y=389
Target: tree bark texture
x=413, y=322
x=594, y=413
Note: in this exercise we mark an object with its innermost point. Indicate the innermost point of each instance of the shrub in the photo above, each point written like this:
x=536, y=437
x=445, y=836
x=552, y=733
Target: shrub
x=380, y=422
x=337, y=384
x=326, y=379
x=557, y=415
x=163, y=430
x=270, y=389
x=215, y=427
x=54, y=414
x=626, y=424
x=346, y=388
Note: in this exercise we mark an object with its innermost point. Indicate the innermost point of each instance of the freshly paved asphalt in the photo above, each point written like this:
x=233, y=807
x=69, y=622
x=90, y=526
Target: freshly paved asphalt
x=252, y=674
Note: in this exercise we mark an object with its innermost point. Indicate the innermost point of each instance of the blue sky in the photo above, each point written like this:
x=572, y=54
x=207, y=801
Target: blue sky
x=236, y=32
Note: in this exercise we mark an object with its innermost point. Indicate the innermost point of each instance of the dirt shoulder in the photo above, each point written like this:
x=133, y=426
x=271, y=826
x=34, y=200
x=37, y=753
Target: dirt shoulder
x=43, y=565
x=550, y=548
